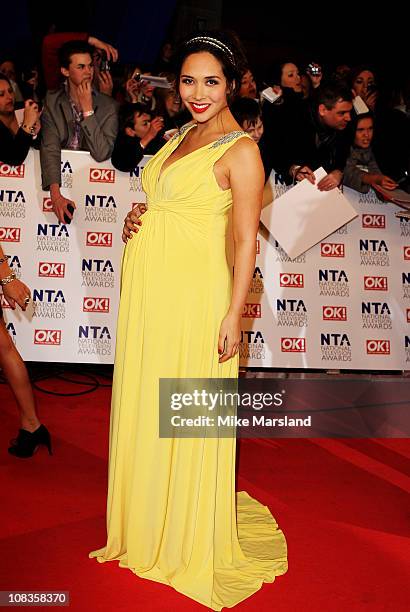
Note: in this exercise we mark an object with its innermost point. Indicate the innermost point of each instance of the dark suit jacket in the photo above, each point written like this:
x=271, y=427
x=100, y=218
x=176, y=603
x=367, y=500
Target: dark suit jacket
x=98, y=132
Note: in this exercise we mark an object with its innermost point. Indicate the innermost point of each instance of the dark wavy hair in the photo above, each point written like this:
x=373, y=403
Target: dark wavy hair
x=225, y=47
x=356, y=70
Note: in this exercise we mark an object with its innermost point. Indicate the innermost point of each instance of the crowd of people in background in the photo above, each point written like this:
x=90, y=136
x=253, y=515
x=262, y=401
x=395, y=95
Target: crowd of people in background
x=348, y=119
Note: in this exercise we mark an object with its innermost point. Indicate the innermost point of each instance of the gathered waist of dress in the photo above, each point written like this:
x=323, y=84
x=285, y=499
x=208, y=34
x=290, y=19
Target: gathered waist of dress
x=186, y=208
x=202, y=224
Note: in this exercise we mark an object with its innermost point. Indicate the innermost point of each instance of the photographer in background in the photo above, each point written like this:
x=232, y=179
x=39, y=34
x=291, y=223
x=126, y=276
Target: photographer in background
x=248, y=114
x=134, y=89
x=285, y=77
x=248, y=87
x=102, y=80
x=361, y=169
x=319, y=138
x=51, y=45
x=139, y=135
x=391, y=143
x=75, y=117
x=169, y=105
x=8, y=68
x=15, y=140
x=315, y=74
x=363, y=84
x=31, y=84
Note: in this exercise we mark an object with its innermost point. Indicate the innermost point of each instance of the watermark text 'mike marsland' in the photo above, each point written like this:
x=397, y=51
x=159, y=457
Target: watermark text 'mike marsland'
x=235, y=421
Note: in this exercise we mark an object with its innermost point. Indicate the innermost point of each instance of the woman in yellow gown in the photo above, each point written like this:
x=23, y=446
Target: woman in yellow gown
x=172, y=512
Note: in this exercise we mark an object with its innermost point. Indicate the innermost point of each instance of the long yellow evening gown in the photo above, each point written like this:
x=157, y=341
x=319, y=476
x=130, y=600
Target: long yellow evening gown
x=172, y=513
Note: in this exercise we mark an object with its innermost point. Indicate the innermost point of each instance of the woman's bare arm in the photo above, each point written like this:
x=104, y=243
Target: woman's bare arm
x=247, y=179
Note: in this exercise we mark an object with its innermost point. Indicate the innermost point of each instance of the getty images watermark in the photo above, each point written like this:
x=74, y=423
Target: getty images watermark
x=269, y=408
x=215, y=407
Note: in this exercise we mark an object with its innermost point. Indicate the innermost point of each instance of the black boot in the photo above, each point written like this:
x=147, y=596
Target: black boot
x=27, y=442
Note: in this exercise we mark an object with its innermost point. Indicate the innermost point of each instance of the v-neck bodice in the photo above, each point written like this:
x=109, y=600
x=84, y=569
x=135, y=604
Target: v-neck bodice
x=188, y=182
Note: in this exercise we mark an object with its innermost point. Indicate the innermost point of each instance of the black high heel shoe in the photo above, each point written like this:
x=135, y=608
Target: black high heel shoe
x=27, y=442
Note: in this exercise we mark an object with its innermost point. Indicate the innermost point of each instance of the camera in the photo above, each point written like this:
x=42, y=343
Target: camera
x=314, y=69
x=105, y=65
x=371, y=88
x=155, y=81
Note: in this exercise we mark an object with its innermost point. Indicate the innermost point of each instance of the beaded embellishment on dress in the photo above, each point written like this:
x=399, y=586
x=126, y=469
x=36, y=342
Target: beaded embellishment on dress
x=181, y=131
x=227, y=138
x=222, y=140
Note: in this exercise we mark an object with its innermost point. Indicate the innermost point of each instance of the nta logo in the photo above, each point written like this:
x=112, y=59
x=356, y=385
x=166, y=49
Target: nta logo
x=333, y=276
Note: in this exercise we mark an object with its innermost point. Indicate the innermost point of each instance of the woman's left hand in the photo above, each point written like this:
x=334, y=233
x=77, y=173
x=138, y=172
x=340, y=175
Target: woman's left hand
x=229, y=337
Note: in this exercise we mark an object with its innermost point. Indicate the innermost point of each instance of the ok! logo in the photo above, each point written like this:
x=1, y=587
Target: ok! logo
x=47, y=337
x=11, y=171
x=102, y=175
x=51, y=269
x=10, y=234
x=100, y=239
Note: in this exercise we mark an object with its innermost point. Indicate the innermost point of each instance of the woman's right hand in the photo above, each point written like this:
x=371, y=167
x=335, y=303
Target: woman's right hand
x=31, y=113
x=16, y=292
x=132, y=222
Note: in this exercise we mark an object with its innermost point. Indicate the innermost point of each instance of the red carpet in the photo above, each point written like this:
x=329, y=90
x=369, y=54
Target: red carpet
x=342, y=504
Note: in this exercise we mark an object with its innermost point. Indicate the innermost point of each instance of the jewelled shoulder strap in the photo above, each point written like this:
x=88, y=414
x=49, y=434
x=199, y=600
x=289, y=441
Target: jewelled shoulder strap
x=228, y=138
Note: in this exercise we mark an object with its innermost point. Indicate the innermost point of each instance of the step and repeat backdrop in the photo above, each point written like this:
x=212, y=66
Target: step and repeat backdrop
x=344, y=304
x=72, y=270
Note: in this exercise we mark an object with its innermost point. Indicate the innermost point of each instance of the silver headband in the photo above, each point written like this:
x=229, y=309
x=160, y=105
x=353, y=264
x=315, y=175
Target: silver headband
x=215, y=43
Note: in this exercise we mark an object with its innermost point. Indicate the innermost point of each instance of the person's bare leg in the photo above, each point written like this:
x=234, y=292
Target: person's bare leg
x=16, y=374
